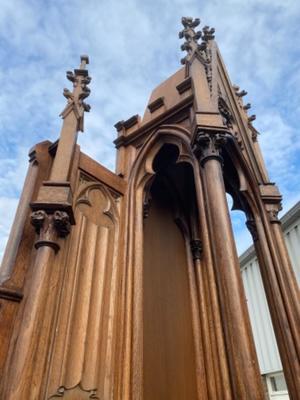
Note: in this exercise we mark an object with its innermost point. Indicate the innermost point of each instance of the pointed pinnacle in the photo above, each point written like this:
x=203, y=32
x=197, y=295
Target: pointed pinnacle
x=84, y=61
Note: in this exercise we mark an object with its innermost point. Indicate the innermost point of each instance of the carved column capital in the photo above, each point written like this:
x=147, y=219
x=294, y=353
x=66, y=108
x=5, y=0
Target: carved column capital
x=273, y=210
x=208, y=145
x=273, y=216
x=50, y=227
x=196, y=248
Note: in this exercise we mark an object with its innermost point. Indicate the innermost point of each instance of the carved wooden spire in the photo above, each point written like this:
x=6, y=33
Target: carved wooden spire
x=80, y=80
x=191, y=37
x=53, y=206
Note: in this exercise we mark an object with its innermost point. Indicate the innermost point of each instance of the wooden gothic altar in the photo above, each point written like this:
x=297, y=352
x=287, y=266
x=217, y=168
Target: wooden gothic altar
x=127, y=285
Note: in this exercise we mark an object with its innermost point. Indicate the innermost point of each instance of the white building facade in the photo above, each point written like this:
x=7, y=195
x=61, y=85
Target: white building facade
x=267, y=351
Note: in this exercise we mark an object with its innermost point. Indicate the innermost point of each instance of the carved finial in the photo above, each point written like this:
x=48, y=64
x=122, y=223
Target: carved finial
x=80, y=80
x=242, y=93
x=84, y=61
x=191, y=37
x=252, y=118
x=208, y=33
x=247, y=106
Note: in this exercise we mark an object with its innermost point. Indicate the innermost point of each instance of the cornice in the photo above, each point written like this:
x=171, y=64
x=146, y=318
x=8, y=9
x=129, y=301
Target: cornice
x=159, y=120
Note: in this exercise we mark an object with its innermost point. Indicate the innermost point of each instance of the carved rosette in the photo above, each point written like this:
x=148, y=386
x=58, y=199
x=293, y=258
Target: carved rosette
x=196, y=249
x=49, y=227
x=208, y=145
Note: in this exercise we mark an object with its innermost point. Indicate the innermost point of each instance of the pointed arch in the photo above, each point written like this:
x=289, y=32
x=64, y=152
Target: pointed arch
x=140, y=181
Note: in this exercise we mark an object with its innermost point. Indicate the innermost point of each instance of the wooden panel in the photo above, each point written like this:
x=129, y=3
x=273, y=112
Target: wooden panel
x=83, y=353
x=169, y=365
x=101, y=173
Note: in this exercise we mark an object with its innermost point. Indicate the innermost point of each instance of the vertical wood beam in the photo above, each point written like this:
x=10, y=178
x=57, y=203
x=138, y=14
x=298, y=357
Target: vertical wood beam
x=282, y=296
x=245, y=376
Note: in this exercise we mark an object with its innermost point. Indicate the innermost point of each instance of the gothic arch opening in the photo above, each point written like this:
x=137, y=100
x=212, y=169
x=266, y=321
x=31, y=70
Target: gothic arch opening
x=168, y=359
x=242, y=216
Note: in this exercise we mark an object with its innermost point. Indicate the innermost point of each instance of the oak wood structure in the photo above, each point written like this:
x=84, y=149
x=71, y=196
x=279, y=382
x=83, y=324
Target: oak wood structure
x=129, y=286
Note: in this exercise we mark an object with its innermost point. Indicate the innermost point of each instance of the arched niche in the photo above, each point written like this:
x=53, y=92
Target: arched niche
x=140, y=213
x=169, y=369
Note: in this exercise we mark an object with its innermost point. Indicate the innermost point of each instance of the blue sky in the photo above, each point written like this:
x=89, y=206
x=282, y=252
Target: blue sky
x=133, y=45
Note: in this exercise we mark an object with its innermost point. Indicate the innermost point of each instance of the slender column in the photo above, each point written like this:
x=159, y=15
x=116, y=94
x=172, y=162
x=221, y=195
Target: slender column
x=282, y=294
x=286, y=277
x=28, y=355
x=244, y=370
x=211, y=324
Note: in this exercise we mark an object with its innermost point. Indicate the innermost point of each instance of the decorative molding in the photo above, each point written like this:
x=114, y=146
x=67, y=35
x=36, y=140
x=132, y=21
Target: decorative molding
x=273, y=216
x=208, y=145
x=49, y=227
x=10, y=294
x=74, y=392
x=146, y=208
x=238, y=139
x=196, y=248
x=61, y=221
x=225, y=112
x=156, y=104
x=273, y=206
x=254, y=133
x=84, y=179
x=38, y=219
x=239, y=95
x=97, y=193
x=184, y=85
x=129, y=123
x=84, y=367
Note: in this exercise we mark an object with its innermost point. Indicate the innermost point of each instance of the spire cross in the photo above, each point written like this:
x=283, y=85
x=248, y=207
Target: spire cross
x=191, y=37
x=72, y=120
x=80, y=80
x=52, y=211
